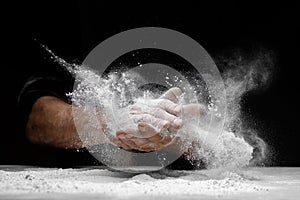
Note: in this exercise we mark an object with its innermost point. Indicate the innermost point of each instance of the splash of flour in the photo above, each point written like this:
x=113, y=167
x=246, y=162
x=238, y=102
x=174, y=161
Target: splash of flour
x=245, y=71
x=230, y=150
x=99, y=182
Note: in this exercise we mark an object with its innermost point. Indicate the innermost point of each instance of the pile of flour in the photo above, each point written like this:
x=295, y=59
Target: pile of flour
x=102, y=181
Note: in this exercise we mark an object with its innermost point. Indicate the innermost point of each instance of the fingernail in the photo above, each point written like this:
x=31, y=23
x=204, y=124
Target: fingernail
x=119, y=133
x=177, y=91
x=178, y=122
x=178, y=109
x=166, y=125
x=141, y=127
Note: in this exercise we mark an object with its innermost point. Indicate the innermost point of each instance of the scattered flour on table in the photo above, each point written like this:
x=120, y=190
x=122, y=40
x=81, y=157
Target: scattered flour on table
x=231, y=151
x=73, y=181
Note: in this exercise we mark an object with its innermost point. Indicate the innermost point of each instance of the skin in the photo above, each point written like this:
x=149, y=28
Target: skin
x=162, y=113
x=51, y=123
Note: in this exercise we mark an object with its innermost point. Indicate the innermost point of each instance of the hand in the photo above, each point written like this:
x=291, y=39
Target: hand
x=193, y=110
x=157, y=123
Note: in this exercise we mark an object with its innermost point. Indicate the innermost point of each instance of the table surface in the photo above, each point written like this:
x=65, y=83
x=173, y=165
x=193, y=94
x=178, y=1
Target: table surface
x=27, y=182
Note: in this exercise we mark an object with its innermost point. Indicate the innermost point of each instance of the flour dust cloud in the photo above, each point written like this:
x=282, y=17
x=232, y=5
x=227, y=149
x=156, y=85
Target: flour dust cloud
x=238, y=145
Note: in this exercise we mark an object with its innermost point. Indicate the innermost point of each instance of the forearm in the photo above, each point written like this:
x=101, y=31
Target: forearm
x=51, y=123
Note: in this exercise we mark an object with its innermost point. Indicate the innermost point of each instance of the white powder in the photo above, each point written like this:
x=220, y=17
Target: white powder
x=227, y=151
x=72, y=181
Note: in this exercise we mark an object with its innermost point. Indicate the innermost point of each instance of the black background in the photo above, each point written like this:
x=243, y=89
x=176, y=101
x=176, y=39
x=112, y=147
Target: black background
x=72, y=29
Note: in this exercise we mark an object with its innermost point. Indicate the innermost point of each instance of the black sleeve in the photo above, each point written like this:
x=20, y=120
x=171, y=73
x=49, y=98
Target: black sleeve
x=59, y=85
x=56, y=83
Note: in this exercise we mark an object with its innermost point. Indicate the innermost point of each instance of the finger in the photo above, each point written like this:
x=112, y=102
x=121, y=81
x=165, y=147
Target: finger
x=151, y=147
x=126, y=138
x=156, y=138
x=174, y=121
x=128, y=142
x=154, y=146
x=120, y=132
x=166, y=140
x=150, y=133
x=194, y=109
x=150, y=119
x=170, y=107
x=129, y=133
x=119, y=143
x=140, y=141
x=146, y=130
x=135, y=109
x=146, y=149
x=172, y=94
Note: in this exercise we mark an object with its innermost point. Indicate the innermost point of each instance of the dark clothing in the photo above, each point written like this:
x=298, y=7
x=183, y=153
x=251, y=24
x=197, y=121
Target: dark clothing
x=58, y=82
x=53, y=82
x=71, y=31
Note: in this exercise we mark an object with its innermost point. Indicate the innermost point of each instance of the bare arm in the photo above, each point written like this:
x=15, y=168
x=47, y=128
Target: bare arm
x=51, y=123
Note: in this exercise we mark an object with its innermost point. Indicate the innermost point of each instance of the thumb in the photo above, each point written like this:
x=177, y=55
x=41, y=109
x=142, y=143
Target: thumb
x=172, y=94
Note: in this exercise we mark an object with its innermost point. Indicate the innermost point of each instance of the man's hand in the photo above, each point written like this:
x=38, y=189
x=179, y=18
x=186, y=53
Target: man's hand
x=157, y=123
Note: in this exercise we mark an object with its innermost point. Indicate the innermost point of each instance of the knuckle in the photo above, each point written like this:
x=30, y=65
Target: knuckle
x=134, y=107
x=177, y=90
x=158, y=112
x=163, y=124
x=163, y=102
x=146, y=117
